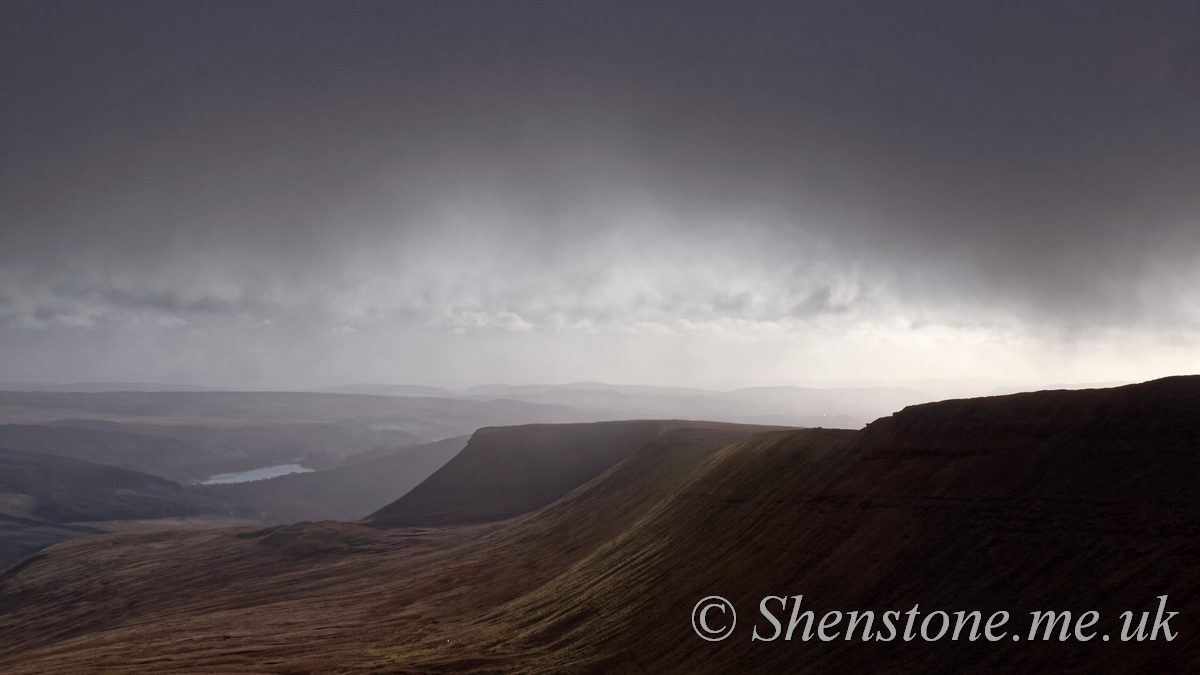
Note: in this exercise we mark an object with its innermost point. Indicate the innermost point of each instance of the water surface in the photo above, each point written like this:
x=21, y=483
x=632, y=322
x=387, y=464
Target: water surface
x=256, y=474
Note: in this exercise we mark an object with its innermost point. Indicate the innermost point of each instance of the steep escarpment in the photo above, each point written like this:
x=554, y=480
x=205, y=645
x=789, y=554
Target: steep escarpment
x=507, y=471
x=1077, y=501
x=1063, y=501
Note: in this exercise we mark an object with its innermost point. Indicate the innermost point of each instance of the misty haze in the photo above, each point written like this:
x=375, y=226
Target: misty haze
x=500, y=337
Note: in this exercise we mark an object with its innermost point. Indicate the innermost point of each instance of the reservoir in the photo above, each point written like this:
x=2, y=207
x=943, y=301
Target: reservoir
x=256, y=474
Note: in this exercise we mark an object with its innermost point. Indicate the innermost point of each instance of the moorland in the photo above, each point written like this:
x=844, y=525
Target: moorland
x=583, y=548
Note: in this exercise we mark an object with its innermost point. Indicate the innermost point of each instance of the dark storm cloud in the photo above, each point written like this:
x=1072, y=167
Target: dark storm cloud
x=522, y=166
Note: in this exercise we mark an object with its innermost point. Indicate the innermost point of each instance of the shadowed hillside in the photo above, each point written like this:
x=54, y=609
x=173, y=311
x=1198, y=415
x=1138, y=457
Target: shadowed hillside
x=1048, y=501
x=40, y=495
x=158, y=455
x=507, y=471
x=65, y=490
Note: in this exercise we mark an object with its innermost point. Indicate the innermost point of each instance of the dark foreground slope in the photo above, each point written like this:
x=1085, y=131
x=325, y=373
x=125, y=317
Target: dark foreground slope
x=1075, y=501
x=1051, y=501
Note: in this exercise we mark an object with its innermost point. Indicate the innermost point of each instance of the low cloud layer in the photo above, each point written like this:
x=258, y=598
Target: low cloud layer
x=301, y=194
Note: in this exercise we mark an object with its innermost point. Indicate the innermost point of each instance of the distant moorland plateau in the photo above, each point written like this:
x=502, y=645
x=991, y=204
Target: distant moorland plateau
x=479, y=540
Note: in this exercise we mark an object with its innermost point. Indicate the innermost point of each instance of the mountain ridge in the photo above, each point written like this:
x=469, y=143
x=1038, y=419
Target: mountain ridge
x=1049, y=501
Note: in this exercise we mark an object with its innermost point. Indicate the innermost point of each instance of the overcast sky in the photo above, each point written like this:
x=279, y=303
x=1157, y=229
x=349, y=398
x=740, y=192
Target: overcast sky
x=682, y=193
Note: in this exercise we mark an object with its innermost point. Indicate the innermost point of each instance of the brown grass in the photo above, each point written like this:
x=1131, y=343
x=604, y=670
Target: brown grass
x=1061, y=500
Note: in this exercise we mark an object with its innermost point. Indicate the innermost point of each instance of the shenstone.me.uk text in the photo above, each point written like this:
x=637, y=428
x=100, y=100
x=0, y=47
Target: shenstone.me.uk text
x=714, y=619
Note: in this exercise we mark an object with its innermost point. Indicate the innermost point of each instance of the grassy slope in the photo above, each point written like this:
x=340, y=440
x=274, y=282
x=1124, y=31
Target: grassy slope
x=1078, y=501
x=1057, y=500
x=310, y=596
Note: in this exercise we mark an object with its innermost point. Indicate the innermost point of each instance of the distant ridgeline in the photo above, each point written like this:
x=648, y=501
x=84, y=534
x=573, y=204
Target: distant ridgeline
x=1079, y=501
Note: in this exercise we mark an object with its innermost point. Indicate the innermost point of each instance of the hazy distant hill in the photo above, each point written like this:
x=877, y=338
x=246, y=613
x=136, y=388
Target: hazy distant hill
x=839, y=408
x=846, y=407
x=94, y=387
x=1076, y=501
x=390, y=390
x=164, y=456
x=425, y=414
x=254, y=429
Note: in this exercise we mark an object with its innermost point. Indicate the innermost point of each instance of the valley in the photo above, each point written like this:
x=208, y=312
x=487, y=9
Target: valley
x=1079, y=500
